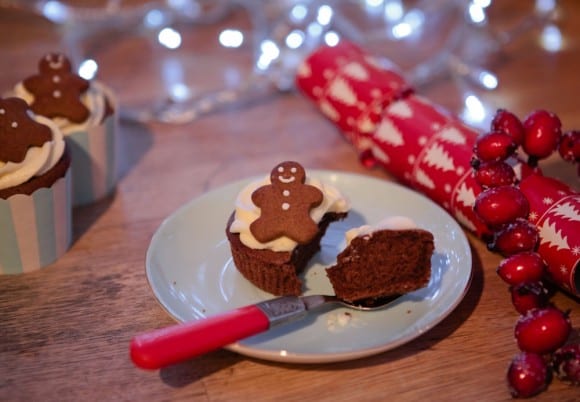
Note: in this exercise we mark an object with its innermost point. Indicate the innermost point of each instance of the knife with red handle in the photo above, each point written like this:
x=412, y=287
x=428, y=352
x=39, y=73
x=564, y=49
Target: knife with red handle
x=163, y=347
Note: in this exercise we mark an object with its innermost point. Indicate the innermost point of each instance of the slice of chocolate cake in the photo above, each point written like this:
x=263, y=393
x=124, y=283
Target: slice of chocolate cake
x=382, y=262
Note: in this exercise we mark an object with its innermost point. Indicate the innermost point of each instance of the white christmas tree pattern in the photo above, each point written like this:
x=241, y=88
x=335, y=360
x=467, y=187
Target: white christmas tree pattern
x=436, y=156
x=423, y=178
x=388, y=133
x=366, y=125
x=400, y=109
x=452, y=135
x=341, y=91
x=566, y=210
x=328, y=110
x=380, y=155
x=356, y=71
x=465, y=195
x=552, y=237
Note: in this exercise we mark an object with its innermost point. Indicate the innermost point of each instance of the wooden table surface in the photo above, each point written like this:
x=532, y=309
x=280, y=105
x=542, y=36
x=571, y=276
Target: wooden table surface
x=65, y=330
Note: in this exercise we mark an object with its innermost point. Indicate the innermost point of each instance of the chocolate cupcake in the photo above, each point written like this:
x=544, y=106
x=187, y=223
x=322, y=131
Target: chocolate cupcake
x=85, y=111
x=35, y=189
x=278, y=224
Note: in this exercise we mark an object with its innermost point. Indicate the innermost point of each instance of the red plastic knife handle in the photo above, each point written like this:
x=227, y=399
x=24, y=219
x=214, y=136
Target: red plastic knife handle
x=166, y=346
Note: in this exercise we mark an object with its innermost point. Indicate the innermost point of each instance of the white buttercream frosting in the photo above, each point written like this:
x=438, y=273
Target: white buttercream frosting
x=389, y=223
x=94, y=99
x=246, y=213
x=38, y=160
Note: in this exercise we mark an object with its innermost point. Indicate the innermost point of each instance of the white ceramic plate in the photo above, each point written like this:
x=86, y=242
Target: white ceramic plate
x=190, y=270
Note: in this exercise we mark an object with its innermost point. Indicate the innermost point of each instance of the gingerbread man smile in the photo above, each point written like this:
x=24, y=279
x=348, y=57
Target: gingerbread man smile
x=55, y=61
x=287, y=174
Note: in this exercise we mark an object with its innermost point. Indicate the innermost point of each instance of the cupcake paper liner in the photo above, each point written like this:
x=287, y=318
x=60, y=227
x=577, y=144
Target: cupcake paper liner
x=93, y=155
x=36, y=229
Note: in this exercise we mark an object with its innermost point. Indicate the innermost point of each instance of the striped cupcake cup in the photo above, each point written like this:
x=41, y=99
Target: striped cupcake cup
x=36, y=229
x=93, y=153
x=93, y=158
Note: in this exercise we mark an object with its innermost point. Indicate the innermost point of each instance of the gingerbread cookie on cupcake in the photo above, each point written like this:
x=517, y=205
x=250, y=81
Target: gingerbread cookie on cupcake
x=85, y=111
x=35, y=189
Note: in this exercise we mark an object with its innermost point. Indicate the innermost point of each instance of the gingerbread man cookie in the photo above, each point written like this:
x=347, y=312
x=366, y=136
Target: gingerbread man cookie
x=57, y=91
x=285, y=205
x=18, y=131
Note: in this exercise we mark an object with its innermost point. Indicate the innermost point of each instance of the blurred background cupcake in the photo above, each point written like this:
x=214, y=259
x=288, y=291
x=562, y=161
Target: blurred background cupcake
x=35, y=190
x=85, y=111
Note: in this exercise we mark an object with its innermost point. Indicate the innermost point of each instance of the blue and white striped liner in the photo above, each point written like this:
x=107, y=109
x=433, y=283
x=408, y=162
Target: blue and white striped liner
x=93, y=155
x=35, y=230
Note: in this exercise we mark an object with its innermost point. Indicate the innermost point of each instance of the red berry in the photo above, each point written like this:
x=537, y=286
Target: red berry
x=494, y=174
x=542, y=330
x=508, y=123
x=569, y=147
x=494, y=146
x=528, y=296
x=521, y=268
x=542, y=134
x=497, y=206
x=566, y=363
x=527, y=375
x=516, y=237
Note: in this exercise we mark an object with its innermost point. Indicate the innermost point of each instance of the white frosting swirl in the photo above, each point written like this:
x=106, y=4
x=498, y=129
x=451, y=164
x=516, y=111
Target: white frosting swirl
x=37, y=161
x=94, y=99
x=390, y=223
x=246, y=213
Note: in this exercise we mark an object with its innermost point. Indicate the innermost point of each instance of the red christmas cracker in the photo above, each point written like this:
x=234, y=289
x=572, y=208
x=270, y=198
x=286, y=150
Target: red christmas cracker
x=418, y=142
x=350, y=88
x=555, y=210
x=429, y=151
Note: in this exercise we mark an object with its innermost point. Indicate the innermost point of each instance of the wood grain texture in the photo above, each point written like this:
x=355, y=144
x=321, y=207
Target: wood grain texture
x=65, y=330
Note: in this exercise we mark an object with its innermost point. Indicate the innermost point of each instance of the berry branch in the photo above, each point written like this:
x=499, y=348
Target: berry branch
x=542, y=331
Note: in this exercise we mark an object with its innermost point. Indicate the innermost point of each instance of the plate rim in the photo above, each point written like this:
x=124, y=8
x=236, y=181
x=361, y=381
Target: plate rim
x=316, y=358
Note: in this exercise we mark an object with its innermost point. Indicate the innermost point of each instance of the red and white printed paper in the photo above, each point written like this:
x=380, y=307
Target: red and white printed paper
x=350, y=88
x=555, y=210
x=419, y=143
